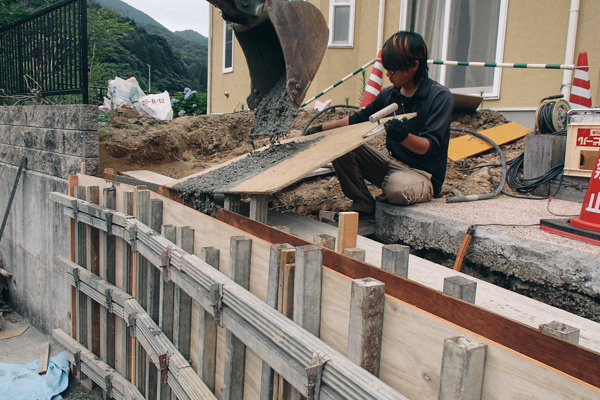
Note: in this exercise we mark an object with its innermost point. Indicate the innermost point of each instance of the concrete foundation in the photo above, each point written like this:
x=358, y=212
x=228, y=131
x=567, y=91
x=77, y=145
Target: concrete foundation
x=53, y=138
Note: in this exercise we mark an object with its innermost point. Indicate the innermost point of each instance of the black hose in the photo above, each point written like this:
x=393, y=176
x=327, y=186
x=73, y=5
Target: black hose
x=321, y=112
x=473, y=197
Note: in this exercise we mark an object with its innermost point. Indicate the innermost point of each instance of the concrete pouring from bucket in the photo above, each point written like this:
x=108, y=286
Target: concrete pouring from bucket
x=533, y=256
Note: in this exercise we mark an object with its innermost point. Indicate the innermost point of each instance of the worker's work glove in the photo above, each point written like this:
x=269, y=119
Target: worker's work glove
x=397, y=129
x=313, y=130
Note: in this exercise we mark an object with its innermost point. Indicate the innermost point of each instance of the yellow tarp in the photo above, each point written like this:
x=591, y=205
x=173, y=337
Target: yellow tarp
x=469, y=145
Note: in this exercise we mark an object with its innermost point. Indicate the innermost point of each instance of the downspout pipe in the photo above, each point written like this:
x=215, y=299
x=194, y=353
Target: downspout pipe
x=570, y=50
x=209, y=66
x=380, y=25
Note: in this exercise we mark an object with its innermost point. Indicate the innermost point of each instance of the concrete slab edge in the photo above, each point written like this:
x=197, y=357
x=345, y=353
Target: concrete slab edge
x=532, y=261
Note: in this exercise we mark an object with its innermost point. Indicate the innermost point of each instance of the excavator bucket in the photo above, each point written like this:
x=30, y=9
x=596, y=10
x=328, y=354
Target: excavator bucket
x=278, y=37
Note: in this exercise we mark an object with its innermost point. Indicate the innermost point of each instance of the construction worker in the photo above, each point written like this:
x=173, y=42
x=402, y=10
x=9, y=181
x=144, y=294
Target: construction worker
x=412, y=167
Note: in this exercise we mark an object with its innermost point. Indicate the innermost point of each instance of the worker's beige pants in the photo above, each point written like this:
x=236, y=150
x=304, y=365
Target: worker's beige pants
x=401, y=184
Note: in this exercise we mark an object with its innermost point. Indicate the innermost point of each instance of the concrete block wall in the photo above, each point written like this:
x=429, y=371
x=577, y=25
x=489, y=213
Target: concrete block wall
x=53, y=138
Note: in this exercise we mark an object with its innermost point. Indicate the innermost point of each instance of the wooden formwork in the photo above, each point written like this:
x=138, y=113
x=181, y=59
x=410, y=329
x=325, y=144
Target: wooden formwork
x=521, y=362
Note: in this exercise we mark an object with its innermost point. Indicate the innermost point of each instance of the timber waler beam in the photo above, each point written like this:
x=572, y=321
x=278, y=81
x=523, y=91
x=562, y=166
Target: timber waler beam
x=289, y=349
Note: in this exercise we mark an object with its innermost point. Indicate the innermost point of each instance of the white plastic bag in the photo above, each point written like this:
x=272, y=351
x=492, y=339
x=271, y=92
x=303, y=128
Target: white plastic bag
x=124, y=93
x=321, y=106
x=157, y=106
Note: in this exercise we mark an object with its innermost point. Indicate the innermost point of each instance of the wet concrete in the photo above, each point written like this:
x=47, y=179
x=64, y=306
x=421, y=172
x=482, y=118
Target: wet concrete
x=275, y=113
x=200, y=189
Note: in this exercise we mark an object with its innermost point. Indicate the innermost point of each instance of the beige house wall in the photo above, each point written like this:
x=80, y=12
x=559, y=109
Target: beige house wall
x=536, y=32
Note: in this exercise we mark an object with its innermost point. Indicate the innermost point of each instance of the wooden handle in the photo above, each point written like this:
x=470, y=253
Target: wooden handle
x=463, y=249
x=382, y=113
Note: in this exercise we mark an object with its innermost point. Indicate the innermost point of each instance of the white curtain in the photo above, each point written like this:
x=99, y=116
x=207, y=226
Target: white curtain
x=473, y=37
x=473, y=34
x=426, y=17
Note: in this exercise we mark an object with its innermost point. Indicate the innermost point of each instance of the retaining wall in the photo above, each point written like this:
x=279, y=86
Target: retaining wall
x=53, y=138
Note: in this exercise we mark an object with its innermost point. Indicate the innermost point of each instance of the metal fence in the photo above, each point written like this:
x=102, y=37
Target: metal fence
x=46, y=52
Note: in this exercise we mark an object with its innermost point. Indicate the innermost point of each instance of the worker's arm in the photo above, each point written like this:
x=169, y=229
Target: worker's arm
x=416, y=144
x=336, y=124
x=399, y=131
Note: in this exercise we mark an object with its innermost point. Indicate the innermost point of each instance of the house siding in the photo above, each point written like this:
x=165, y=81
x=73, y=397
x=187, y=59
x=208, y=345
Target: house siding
x=536, y=32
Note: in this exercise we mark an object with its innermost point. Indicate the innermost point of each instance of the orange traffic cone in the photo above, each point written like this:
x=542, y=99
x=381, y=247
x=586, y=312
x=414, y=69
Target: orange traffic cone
x=585, y=227
x=580, y=91
x=375, y=83
x=589, y=217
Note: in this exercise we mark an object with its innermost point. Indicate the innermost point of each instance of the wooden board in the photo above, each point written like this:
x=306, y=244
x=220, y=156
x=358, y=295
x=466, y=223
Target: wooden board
x=468, y=145
x=412, y=339
x=489, y=296
x=13, y=333
x=562, y=355
x=334, y=143
x=149, y=176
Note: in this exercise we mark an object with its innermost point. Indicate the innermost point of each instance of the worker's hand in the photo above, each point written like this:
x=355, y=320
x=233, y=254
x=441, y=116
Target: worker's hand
x=313, y=130
x=397, y=129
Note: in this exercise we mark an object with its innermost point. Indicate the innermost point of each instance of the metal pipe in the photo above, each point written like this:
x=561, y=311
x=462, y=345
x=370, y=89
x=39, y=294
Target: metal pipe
x=570, y=50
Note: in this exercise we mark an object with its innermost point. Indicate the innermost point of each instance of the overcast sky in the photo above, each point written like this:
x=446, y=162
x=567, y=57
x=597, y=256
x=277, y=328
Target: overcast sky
x=176, y=15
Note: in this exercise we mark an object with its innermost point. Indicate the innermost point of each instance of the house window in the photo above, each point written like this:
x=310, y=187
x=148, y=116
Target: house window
x=227, y=47
x=341, y=23
x=460, y=30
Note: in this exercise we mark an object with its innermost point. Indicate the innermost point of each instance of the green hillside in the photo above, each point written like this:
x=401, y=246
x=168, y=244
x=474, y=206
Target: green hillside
x=127, y=11
x=119, y=46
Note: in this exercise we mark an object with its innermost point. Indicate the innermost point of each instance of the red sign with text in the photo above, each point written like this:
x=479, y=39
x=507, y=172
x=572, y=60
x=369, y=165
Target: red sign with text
x=588, y=137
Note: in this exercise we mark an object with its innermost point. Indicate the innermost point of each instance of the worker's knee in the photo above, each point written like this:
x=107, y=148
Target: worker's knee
x=404, y=188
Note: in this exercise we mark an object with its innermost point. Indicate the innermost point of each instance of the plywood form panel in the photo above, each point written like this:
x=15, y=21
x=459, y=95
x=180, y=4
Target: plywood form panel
x=412, y=342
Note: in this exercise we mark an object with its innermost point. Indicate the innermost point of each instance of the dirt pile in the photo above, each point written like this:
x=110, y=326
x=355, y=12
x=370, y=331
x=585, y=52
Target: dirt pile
x=191, y=144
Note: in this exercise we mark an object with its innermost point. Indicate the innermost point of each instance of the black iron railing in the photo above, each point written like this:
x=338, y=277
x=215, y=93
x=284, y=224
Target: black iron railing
x=46, y=52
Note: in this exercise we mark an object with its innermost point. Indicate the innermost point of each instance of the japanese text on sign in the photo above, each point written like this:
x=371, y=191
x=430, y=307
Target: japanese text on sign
x=587, y=137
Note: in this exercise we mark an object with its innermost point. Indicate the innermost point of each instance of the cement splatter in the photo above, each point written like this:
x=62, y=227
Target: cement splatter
x=275, y=113
x=200, y=189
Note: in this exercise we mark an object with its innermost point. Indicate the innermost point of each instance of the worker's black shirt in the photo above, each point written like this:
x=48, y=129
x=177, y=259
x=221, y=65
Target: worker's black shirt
x=433, y=104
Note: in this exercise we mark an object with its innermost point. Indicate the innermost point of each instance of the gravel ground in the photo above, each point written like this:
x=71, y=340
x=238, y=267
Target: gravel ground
x=508, y=210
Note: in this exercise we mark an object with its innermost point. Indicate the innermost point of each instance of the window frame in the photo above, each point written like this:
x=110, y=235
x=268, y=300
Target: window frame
x=332, y=5
x=227, y=70
x=499, y=57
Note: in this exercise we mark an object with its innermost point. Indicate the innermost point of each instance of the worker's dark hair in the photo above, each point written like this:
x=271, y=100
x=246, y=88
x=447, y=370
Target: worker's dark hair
x=401, y=50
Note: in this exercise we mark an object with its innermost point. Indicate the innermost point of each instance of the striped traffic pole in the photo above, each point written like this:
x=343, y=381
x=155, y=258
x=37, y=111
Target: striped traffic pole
x=500, y=65
x=452, y=63
x=344, y=79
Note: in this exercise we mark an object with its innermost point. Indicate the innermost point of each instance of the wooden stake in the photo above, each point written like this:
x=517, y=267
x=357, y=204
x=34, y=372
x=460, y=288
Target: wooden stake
x=207, y=335
x=93, y=265
x=142, y=214
x=166, y=307
x=325, y=240
x=107, y=272
x=347, y=231
x=356, y=253
x=182, y=333
x=232, y=203
x=394, y=259
x=152, y=295
x=235, y=353
x=44, y=354
x=280, y=255
x=128, y=343
x=259, y=207
x=365, y=330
